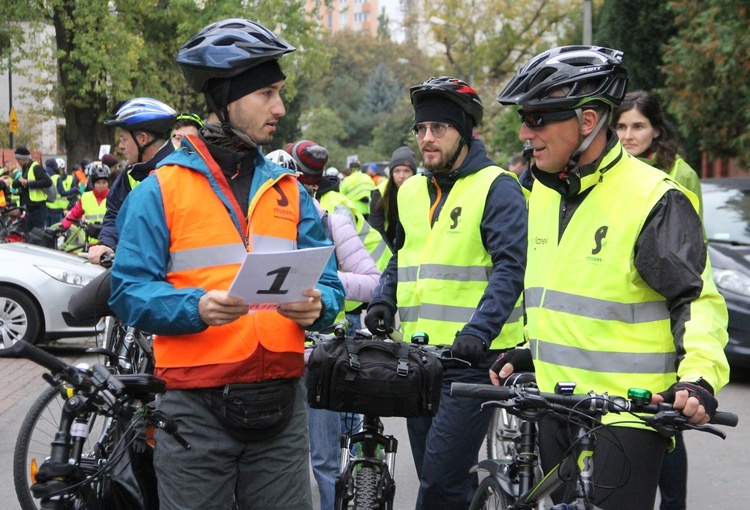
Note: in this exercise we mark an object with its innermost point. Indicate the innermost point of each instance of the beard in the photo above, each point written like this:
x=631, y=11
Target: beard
x=445, y=162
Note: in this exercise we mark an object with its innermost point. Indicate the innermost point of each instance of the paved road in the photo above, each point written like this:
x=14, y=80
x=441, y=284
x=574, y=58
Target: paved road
x=718, y=469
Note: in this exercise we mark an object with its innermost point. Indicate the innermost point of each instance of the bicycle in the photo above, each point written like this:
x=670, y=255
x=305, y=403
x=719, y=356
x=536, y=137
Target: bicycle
x=126, y=350
x=367, y=463
x=512, y=484
x=73, y=477
x=74, y=239
x=12, y=224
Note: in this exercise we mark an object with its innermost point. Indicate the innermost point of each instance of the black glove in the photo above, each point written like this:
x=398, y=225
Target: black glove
x=520, y=359
x=379, y=319
x=695, y=389
x=469, y=348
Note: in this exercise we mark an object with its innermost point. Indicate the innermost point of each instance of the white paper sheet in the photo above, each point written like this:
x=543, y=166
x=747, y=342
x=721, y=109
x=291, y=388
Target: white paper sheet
x=267, y=279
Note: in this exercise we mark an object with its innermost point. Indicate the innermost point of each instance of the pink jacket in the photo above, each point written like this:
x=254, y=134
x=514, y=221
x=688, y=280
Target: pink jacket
x=356, y=268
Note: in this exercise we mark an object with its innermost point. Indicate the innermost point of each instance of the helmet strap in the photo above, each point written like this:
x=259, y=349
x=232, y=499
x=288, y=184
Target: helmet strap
x=141, y=148
x=452, y=161
x=586, y=142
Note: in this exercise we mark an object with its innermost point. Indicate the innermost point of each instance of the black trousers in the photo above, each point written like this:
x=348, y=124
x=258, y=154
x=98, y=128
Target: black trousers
x=627, y=462
x=91, y=302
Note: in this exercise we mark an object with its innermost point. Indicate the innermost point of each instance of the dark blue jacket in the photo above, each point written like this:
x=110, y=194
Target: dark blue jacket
x=120, y=189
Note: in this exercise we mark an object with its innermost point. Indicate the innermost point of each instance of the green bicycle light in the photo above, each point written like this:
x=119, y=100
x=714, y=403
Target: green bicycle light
x=639, y=397
x=420, y=338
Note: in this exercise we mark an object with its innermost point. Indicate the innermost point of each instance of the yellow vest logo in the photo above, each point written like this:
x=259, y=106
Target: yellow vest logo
x=599, y=236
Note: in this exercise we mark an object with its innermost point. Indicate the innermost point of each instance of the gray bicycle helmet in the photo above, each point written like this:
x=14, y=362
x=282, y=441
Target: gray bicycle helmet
x=227, y=48
x=97, y=171
x=576, y=74
x=143, y=114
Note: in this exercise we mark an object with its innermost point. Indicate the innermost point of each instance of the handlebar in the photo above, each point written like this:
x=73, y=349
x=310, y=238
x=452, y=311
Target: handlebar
x=525, y=397
x=111, y=391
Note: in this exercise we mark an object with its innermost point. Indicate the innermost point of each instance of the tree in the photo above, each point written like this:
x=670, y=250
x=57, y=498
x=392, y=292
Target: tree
x=489, y=40
x=367, y=86
x=109, y=52
x=708, y=76
x=650, y=24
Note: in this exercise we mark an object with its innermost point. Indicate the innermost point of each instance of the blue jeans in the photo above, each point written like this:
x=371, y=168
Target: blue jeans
x=355, y=323
x=446, y=446
x=325, y=430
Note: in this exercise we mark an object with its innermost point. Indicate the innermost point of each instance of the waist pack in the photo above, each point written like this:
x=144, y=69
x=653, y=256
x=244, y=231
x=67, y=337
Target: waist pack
x=254, y=411
x=373, y=377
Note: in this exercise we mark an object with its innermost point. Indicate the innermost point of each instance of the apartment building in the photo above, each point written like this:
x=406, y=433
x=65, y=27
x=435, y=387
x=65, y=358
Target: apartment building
x=349, y=15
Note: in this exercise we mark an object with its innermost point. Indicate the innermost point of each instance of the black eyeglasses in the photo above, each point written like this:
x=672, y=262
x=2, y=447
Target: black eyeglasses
x=536, y=120
x=438, y=129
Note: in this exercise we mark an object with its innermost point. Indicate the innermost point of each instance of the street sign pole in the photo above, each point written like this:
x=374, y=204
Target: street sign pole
x=10, y=103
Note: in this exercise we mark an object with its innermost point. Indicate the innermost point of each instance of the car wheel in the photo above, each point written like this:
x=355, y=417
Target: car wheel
x=20, y=319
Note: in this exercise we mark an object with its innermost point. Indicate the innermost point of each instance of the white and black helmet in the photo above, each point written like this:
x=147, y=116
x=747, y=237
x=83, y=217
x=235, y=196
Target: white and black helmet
x=283, y=159
x=143, y=114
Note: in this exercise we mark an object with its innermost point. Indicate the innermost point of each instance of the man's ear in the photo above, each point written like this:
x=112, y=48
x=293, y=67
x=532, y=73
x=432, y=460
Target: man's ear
x=143, y=138
x=590, y=118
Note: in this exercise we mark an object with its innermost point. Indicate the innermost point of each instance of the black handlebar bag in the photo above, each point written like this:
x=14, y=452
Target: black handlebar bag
x=374, y=377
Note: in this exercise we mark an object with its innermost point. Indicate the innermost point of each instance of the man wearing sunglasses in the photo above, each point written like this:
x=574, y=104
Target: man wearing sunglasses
x=618, y=286
x=457, y=275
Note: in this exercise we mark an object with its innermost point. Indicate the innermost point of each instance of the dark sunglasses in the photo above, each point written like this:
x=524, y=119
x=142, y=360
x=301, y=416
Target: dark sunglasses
x=536, y=120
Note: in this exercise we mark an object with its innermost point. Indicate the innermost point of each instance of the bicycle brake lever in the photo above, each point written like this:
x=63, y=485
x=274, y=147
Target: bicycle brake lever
x=167, y=424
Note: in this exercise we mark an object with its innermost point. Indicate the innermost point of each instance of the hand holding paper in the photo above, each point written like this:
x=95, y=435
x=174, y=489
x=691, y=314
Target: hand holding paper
x=303, y=313
x=217, y=307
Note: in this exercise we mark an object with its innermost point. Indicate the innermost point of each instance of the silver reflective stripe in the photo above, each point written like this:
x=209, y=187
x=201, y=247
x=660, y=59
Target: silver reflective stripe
x=210, y=256
x=515, y=315
x=408, y=274
x=263, y=243
x=604, y=361
x=459, y=273
x=448, y=313
x=437, y=313
x=379, y=249
x=633, y=313
x=533, y=296
x=445, y=272
x=408, y=313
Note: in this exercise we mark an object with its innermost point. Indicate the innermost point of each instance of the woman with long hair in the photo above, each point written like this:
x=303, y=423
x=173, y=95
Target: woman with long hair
x=384, y=209
x=646, y=133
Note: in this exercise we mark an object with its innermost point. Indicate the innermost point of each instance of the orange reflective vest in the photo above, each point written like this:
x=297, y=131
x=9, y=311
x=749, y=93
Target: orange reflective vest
x=206, y=251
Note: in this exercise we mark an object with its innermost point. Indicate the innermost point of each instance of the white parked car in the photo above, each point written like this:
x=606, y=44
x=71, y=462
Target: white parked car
x=35, y=286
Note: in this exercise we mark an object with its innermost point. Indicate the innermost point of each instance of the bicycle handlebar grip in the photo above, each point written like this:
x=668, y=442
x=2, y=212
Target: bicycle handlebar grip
x=25, y=350
x=484, y=391
x=724, y=418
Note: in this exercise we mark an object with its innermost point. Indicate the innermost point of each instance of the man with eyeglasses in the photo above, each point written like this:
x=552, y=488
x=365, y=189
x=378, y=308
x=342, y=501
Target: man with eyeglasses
x=456, y=275
x=618, y=286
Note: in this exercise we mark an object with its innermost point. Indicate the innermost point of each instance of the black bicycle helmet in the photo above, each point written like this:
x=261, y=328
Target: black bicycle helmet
x=453, y=89
x=143, y=114
x=227, y=48
x=576, y=74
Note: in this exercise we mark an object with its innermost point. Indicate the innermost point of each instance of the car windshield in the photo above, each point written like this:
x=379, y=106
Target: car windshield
x=726, y=214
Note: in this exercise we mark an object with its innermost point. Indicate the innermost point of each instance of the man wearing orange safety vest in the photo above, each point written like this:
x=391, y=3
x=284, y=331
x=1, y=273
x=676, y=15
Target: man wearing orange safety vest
x=233, y=378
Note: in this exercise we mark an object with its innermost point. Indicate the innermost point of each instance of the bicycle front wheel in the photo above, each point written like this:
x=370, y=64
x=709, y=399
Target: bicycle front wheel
x=34, y=441
x=366, y=490
x=490, y=496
